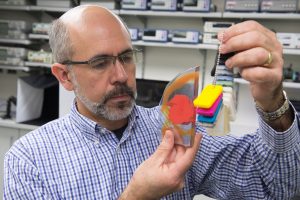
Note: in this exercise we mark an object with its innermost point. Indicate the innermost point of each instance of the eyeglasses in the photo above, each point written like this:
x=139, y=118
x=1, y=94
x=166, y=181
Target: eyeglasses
x=128, y=58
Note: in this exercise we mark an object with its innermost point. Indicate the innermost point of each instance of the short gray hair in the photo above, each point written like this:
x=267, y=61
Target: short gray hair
x=60, y=42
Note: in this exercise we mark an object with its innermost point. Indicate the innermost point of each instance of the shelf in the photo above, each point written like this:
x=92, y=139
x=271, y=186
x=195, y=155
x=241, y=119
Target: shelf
x=38, y=36
x=33, y=8
x=40, y=8
x=254, y=15
x=49, y=8
x=13, y=124
x=15, y=41
x=17, y=68
x=14, y=7
x=170, y=13
x=239, y=15
x=170, y=44
x=37, y=64
x=285, y=84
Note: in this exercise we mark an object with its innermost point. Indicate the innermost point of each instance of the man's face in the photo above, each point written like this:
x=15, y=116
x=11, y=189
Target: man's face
x=106, y=91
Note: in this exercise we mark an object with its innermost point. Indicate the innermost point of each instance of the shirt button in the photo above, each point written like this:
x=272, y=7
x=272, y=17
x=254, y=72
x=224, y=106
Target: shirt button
x=96, y=142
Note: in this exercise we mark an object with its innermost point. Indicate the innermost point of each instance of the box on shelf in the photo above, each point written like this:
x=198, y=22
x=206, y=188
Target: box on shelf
x=289, y=40
x=164, y=5
x=14, y=25
x=15, y=2
x=109, y=4
x=12, y=55
x=196, y=5
x=185, y=36
x=40, y=28
x=134, y=4
x=279, y=6
x=40, y=56
x=155, y=35
x=57, y=3
x=242, y=5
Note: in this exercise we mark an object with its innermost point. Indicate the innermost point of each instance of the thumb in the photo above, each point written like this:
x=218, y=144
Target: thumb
x=165, y=147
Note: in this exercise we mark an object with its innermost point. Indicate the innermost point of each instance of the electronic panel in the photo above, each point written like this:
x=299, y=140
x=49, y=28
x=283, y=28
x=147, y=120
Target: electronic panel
x=134, y=34
x=12, y=55
x=168, y=5
x=279, y=5
x=40, y=56
x=134, y=4
x=242, y=5
x=210, y=38
x=196, y=5
x=15, y=2
x=40, y=28
x=109, y=4
x=215, y=27
x=55, y=3
x=289, y=40
x=155, y=35
x=186, y=36
x=14, y=25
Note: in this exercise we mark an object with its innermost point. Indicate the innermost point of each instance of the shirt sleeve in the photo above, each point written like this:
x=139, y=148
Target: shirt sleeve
x=263, y=165
x=21, y=178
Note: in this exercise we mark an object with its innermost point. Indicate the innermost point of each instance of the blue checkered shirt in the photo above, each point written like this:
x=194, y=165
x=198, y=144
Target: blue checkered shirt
x=75, y=158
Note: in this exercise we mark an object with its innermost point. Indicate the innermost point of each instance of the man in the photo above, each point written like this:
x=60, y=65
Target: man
x=109, y=148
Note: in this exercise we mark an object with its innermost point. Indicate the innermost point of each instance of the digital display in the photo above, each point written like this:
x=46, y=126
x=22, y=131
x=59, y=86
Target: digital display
x=158, y=3
x=180, y=34
x=190, y=3
x=221, y=25
x=150, y=33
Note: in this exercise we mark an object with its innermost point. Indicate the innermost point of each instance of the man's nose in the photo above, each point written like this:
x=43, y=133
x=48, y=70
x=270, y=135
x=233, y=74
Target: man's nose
x=119, y=72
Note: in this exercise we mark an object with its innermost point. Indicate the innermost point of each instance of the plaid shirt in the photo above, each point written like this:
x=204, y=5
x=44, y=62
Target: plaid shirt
x=75, y=158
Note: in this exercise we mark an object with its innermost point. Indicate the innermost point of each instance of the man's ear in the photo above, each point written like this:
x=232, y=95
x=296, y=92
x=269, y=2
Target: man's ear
x=63, y=75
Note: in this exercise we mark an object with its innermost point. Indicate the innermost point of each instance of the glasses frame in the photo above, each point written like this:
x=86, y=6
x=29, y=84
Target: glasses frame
x=90, y=61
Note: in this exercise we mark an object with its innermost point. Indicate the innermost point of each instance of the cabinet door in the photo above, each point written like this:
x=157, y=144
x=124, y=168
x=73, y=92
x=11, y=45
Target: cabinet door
x=7, y=137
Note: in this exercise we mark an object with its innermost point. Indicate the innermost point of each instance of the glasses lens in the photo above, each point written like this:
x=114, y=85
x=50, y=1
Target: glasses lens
x=130, y=58
x=101, y=63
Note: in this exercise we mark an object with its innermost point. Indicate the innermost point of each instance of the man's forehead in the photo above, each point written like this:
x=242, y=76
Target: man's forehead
x=85, y=13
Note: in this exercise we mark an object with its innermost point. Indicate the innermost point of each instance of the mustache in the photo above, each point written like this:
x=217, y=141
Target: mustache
x=119, y=90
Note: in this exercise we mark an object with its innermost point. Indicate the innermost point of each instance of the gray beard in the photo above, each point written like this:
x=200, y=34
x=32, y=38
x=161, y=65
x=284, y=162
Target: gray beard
x=121, y=111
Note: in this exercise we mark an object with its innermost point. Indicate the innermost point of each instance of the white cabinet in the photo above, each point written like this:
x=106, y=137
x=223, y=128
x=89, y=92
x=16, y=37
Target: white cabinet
x=9, y=133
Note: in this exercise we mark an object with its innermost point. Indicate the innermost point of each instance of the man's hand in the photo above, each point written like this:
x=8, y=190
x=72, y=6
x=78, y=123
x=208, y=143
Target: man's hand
x=258, y=56
x=252, y=44
x=163, y=172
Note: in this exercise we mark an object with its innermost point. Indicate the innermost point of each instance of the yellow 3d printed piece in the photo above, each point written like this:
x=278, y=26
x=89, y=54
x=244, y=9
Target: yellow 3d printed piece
x=208, y=96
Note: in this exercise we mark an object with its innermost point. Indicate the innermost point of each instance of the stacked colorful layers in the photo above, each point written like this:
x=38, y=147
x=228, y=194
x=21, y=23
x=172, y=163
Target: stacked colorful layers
x=208, y=104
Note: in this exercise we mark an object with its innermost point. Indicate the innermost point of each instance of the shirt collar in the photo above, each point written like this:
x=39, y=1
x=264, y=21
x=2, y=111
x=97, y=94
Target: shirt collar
x=90, y=128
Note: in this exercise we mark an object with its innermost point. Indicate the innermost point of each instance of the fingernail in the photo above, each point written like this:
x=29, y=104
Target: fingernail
x=167, y=136
x=228, y=63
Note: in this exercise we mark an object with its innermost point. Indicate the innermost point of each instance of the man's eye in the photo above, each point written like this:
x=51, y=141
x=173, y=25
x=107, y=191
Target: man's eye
x=127, y=58
x=101, y=63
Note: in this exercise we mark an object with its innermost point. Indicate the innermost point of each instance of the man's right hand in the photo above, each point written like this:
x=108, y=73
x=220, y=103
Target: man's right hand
x=163, y=172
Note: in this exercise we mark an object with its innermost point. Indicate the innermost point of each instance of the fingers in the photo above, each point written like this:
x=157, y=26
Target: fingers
x=187, y=159
x=165, y=148
x=247, y=36
x=244, y=27
x=257, y=56
x=247, y=40
x=257, y=74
